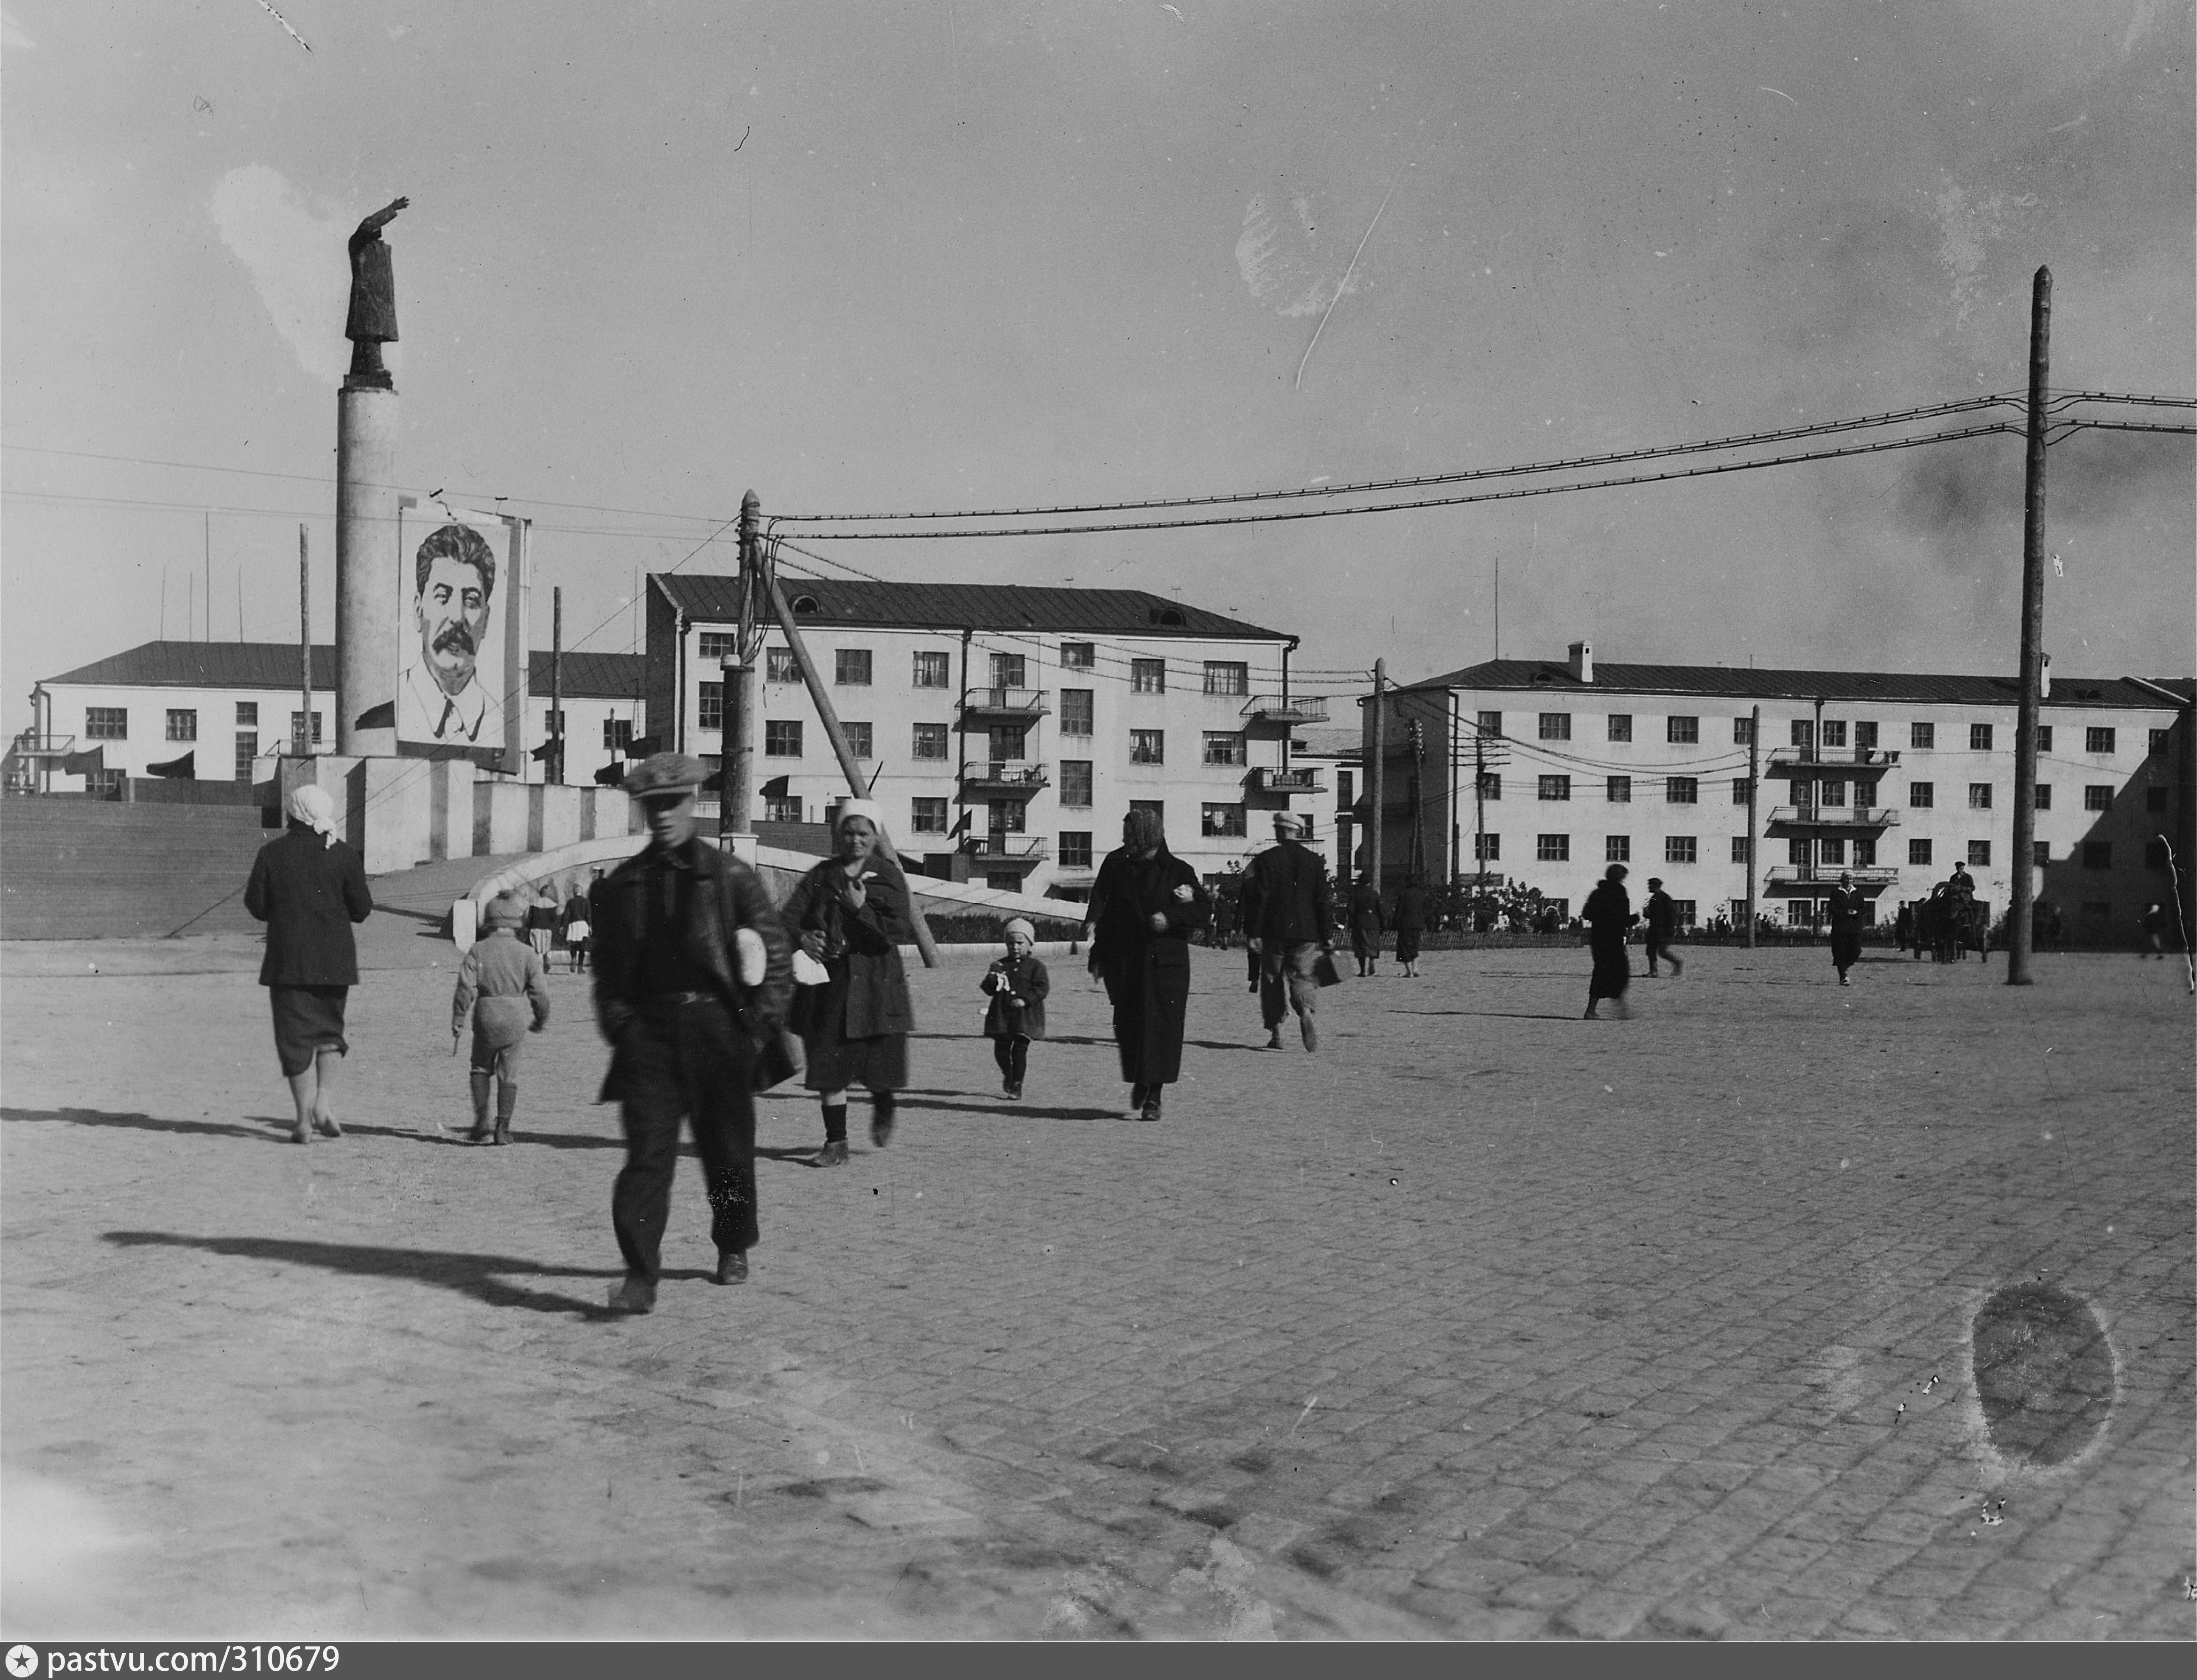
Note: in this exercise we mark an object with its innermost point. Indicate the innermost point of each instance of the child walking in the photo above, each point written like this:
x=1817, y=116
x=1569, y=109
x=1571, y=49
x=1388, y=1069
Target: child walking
x=501, y=983
x=1018, y=984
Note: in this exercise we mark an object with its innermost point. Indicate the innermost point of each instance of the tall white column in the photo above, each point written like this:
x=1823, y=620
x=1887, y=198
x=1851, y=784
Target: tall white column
x=369, y=593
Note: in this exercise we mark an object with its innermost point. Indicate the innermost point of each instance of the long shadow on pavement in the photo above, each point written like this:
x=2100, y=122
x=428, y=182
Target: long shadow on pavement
x=145, y=1122
x=1489, y=1014
x=476, y=1275
x=1001, y=1107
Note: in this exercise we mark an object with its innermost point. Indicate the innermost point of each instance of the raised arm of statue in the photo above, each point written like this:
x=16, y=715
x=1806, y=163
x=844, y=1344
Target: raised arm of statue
x=380, y=219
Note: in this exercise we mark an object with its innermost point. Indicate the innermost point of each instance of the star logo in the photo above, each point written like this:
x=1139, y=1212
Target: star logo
x=22, y=1661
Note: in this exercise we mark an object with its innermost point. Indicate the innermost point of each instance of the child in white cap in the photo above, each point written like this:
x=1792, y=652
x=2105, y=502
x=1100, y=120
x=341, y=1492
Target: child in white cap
x=501, y=983
x=1018, y=984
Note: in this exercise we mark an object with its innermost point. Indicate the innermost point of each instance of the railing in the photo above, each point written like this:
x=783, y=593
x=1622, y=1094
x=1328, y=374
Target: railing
x=1836, y=816
x=1014, y=701
x=1268, y=779
x=31, y=744
x=1826, y=875
x=1293, y=709
x=1005, y=776
x=1010, y=849
x=1834, y=758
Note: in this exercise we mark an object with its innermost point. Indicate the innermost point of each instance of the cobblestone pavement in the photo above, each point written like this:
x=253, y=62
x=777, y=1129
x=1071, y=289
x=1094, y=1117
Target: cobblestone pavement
x=1484, y=1321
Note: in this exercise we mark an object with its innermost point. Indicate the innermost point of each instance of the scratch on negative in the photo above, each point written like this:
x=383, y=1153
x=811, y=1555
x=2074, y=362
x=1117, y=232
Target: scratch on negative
x=1781, y=93
x=1306, y=1413
x=285, y=22
x=1344, y=285
x=745, y=133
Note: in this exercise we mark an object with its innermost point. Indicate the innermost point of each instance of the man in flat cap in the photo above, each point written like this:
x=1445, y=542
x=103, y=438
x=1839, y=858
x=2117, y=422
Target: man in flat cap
x=1288, y=919
x=693, y=972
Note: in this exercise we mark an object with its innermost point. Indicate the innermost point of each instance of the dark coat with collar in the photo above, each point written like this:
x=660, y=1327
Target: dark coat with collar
x=308, y=893
x=1286, y=898
x=862, y=947
x=728, y=896
x=1146, y=971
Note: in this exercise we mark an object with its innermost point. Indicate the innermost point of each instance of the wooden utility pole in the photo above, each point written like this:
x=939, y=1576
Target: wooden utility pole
x=305, y=732
x=1754, y=788
x=736, y=759
x=1379, y=769
x=2023, y=865
x=557, y=686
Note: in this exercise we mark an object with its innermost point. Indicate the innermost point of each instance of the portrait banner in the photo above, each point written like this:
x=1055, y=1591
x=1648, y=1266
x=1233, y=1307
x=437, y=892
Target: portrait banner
x=461, y=595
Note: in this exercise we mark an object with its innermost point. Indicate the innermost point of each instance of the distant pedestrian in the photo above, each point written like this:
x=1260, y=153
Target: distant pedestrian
x=2154, y=929
x=573, y=929
x=1902, y=925
x=1411, y=920
x=1224, y=919
x=1662, y=929
x=1288, y=919
x=852, y=913
x=308, y=888
x=1018, y=986
x=1608, y=914
x=542, y=923
x=1367, y=925
x=503, y=989
x=1144, y=907
x=1846, y=912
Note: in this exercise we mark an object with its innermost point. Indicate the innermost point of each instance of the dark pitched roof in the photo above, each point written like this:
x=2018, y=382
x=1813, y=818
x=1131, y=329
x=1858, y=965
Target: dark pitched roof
x=958, y=606
x=274, y=664
x=1549, y=676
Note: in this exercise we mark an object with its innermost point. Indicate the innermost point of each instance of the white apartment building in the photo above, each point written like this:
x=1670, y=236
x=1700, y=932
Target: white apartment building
x=1012, y=726
x=1552, y=771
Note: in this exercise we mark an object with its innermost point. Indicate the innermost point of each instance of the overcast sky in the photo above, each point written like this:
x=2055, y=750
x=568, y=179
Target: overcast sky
x=959, y=254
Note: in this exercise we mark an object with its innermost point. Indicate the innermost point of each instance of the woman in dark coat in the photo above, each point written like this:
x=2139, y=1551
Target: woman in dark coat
x=1608, y=916
x=308, y=888
x=852, y=915
x=1366, y=924
x=1144, y=907
x=1411, y=922
x=1846, y=926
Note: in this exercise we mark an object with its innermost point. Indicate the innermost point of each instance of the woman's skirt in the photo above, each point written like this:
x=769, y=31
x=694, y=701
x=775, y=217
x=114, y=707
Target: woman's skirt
x=308, y=1019
x=1613, y=969
x=837, y=1061
x=1364, y=943
x=1407, y=945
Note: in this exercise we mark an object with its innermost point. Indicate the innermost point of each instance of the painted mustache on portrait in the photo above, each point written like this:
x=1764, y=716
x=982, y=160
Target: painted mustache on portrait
x=456, y=635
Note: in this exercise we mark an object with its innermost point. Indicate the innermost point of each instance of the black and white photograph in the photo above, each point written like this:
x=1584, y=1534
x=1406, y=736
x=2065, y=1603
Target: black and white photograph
x=1084, y=822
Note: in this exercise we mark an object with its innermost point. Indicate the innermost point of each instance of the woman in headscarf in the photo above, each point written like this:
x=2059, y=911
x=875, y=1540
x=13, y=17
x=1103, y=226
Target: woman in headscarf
x=1608, y=915
x=1144, y=907
x=1410, y=922
x=309, y=887
x=851, y=913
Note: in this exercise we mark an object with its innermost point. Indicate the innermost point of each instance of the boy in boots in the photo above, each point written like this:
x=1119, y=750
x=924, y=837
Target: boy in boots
x=500, y=983
x=1018, y=984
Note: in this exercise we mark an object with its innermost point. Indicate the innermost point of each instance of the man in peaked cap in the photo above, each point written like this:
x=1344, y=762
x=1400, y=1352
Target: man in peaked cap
x=692, y=973
x=1288, y=919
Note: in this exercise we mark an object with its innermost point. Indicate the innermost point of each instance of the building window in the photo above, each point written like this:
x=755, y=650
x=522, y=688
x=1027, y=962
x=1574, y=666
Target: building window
x=1552, y=848
x=1922, y=796
x=933, y=670
x=1221, y=822
x=1980, y=796
x=2041, y=852
x=617, y=733
x=1681, y=731
x=1682, y=790
x=710, y=715
x=2045, y=737
x=2159, y=739
x=850, y=667
x=1680, y=848
x=182, y=726
x=1801, y=913
x=1739, y=849
x=930, y=741
x=2154, y=855
x=1864, y=854
x=2155, y=798
x=1833, y=793
x=926, y=816
x=298, y=727
x=1620, y=726
x=1620, y=790
x=1617, y=849
x=1075, y=782
x=1556, y=726
x=106, y=723
x=2097, y=740
x=1075, y=710
x=2098, y=797
x=859, y=739
x=1803, y=732
x=1148, y=746
x=247, y=749
x=1979, y=738
x=1224, y=677
x=1489, y=782
x=1487, y=847
x=2043, y=796
x=1008, y=670
x=1742, y=732
x=1865, y=737
x=1979, y=853
x=781, y=810
x=1148, y=676
x=2097, y=854
x=1077, y=656
x=247, y=713
x=1076, y=848
x=1918, y=852
x=1834, y=733
x=778, y=665
x=1555, y=787
x=1491, y=725
x=1006, y=816
x=714, y=645
x=1922, y=736
x=781, y=738
x=1798, y=853
x=1223, y=748
x=1834, y=849
x=1742, y=786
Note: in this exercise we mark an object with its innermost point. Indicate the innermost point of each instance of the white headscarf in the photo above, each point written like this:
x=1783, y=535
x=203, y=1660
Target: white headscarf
x=860, y=808
x=310, y=804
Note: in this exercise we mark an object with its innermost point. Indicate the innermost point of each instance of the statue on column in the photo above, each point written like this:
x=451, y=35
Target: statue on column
x=371, y=321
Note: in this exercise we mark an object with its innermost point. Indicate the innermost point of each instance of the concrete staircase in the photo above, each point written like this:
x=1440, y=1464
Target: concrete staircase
x=90, y=869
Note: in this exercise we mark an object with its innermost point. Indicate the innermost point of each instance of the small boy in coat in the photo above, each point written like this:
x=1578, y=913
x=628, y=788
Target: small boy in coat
x=1018, y=984
x=500, y=983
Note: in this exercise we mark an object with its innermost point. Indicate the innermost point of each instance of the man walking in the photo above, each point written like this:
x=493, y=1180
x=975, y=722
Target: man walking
x=1288, y=920
x=693, y=970
x=1662, y=929
x=1846, y=908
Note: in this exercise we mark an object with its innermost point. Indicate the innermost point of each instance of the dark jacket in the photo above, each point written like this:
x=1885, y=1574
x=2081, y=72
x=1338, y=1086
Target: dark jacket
x=861, y=949
x=1365, y=915
x=1146, y=971
x=309, y=894
x=728, y=896
x=1120, y=918
x=1285, y=896
x=1662, y=916
x=1029, y=983
x=1609, y=912
x=1411, y=909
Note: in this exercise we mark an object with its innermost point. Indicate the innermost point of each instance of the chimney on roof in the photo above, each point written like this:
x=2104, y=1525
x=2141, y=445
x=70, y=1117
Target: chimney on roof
x=1582, y=662
x=2045, y=678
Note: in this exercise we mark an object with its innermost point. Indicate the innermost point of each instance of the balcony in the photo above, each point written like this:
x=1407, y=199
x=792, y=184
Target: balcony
x=1794, y=878
x=1008, y=851
x=1833, y=816
x=1816, y=761
x=1002, y=779
x=1291, y=710
x=1007, y=705
x=1268, y=779
x=31, y=744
